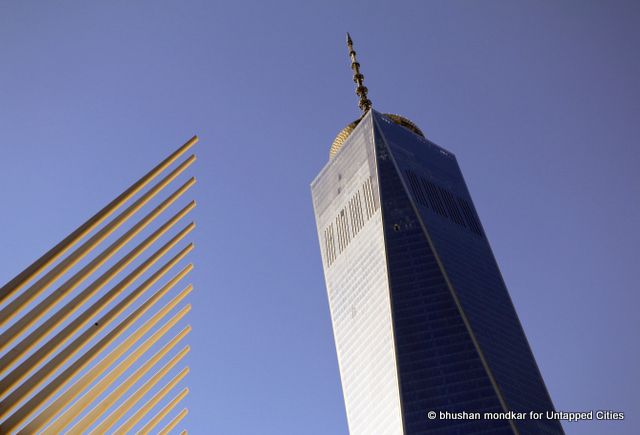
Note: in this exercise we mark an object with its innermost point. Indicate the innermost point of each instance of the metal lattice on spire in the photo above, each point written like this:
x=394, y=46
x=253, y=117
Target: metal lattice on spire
x=358, y=78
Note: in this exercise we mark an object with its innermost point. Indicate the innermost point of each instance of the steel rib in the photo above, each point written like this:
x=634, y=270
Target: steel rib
x=16, y=396
x=31, y=406
x=14, y=307
x=147, y=428
x=173, y=423
x=33, y=338
x=50, y=300
x=117, y=414
x=128, y=403
x=26, y=366
x=105, y=382
x=54, y=253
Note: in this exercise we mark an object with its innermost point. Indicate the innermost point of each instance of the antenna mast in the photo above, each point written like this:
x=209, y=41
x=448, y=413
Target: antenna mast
x=358, y=78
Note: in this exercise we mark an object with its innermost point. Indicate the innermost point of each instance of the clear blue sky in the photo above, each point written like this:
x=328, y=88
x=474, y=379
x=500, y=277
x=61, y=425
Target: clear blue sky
x=540, y=101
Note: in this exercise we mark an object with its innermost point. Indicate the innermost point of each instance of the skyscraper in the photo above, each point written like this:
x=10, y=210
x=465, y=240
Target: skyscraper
x=421, y=316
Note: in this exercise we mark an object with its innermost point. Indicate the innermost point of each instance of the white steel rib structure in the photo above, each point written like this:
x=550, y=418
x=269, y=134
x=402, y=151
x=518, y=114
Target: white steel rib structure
x=91, y=333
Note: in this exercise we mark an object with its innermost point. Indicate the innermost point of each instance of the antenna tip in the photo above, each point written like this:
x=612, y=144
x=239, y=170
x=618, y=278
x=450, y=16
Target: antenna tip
x=349, y=41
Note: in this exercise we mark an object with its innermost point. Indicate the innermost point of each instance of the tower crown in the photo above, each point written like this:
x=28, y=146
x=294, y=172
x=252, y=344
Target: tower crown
x=365, y=105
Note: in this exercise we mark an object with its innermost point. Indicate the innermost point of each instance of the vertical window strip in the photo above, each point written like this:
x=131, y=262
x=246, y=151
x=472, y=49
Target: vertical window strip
x=333, y=243
x=470, y=216
x=423, y=193
x=412, y=184
x=354, y=211
x=360, y=209
x=430, y=195
x=441, y=200
x=356, y=216
x=338, y=235
x=373, y=196
x=342, y=236
x=345, y=223
x=326, y=246
x=339, y=231
x=356, y=207
x=353, y=223
x=365, y=199
x=474, y=219
x=416, y=188
x=365, y=188
x=465, y=212
x=419, y=191
x=451, y=205
x=434, y=197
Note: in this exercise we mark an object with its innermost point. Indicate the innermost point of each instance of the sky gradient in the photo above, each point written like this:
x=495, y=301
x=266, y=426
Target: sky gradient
x=540, y=102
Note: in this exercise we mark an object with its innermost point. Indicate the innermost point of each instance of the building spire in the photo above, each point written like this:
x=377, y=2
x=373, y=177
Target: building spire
x=358, y=78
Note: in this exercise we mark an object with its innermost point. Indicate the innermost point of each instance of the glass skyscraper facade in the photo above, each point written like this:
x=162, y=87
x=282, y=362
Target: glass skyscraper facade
x=422, y=319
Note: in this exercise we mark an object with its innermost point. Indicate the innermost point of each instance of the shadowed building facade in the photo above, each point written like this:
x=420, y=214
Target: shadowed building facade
x=421, y=316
